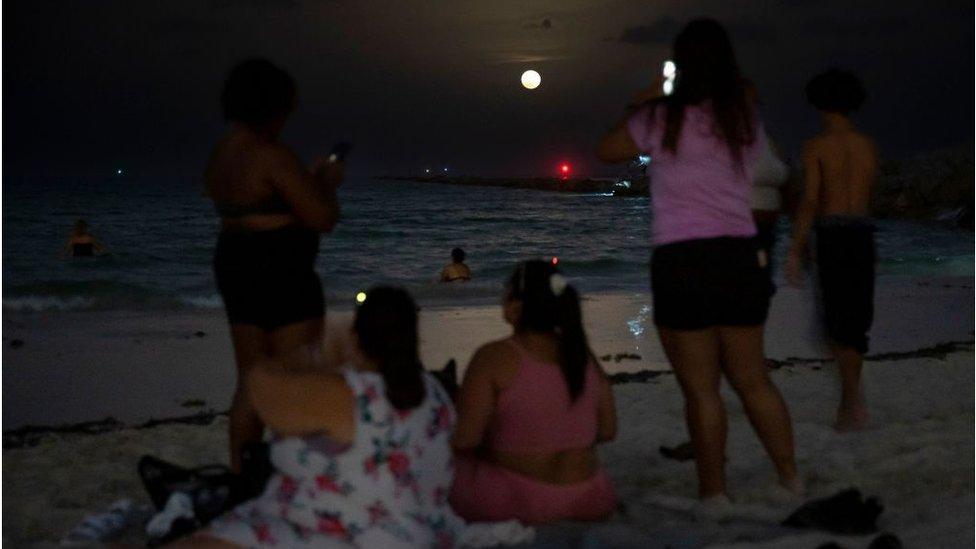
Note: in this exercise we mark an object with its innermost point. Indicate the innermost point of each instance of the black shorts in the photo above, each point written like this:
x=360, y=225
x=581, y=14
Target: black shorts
x=845, y=265
x=697, y=284
x=267, y=278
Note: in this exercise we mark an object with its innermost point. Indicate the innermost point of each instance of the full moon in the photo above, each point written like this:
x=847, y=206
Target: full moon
x=531, y=79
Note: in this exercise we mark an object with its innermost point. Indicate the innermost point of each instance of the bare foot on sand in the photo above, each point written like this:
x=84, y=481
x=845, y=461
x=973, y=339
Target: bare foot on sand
x=851, y=417
x=793, y=487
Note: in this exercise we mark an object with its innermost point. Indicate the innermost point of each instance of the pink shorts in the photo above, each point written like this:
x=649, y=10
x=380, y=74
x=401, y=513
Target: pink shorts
x=484, y=491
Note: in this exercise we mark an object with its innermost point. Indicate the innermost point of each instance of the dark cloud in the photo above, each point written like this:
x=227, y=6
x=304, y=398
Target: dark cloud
x=185, y=25
x=545, y=24
x=660, y=31
x=752, y=32
x=264, y=4
x=663, y=30
x=858, y=28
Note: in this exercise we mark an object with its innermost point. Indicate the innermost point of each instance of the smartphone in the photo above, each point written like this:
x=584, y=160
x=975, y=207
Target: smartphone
x=339, y=152
x=669, y=71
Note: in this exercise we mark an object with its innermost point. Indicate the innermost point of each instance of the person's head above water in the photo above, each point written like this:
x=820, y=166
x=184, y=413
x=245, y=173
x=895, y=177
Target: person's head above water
x=538, y=299
x=81, y=227
x=386, y=330
x=836, y=91
x=707, y=70
x=259, y=94
x=458, y=255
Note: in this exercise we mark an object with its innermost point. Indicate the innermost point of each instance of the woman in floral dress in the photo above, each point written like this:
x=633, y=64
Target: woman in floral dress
x=362, y=458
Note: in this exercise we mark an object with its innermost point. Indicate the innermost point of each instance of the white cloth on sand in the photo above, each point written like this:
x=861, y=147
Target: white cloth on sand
x=491, y=534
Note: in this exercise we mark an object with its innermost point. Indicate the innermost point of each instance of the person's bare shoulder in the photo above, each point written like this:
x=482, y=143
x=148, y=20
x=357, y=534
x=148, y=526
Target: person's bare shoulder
x=813, y=148
x=867, y=144
x=275, y=154
x=494, y=359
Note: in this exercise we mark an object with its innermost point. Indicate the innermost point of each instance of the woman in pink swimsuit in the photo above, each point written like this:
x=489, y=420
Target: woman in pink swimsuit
x=531, y=410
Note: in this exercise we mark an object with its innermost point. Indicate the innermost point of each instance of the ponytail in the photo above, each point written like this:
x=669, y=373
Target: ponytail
x=549, y=304
x=386, y=326
x=573, y=347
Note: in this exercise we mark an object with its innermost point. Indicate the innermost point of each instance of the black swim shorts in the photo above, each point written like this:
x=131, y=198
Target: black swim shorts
x=845, y=265
x=698, y=284
x=267, y=278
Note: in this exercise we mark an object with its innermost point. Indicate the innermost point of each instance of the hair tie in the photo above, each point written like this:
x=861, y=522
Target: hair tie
x=557, y=283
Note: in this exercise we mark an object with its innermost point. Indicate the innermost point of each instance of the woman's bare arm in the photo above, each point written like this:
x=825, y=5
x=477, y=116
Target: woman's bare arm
x=301, y=402
x=476, y=399
x=311, y=196
x=805, y=214
x=617, y=145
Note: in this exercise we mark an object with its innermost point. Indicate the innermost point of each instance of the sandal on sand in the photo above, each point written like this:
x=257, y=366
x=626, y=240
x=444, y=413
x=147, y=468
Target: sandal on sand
x=681, y=452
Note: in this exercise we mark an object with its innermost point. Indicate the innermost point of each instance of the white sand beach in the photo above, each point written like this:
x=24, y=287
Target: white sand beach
x=917, y=454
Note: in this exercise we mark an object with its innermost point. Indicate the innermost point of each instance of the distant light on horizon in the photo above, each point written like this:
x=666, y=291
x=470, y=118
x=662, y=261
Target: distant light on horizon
x=555, y=260
x=361, y=298
x=118, y=171
x=531, y=79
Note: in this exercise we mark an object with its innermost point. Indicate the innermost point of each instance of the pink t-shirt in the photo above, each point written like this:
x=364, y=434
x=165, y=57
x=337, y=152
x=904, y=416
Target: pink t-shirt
x=698, y=191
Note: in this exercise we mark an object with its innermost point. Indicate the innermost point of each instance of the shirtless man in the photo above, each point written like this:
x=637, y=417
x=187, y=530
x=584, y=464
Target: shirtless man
x=840, y=165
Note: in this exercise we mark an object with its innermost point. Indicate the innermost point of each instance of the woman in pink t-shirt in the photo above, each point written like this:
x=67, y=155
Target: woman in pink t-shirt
x=710, y=295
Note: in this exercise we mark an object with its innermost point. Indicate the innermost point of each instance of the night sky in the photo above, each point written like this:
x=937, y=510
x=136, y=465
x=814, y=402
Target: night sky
x=91, y=86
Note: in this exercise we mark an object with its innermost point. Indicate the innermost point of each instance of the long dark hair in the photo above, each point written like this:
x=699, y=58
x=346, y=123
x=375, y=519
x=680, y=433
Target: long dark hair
x=707, y=70
x=386, y=326
x=551, y=305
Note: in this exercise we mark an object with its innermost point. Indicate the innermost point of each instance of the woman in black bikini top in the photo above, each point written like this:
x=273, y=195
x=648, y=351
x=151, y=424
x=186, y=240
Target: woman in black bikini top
x=82, y=243
x=273, y=210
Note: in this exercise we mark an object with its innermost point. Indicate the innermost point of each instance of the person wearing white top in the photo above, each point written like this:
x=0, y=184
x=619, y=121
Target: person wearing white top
x=770, y=175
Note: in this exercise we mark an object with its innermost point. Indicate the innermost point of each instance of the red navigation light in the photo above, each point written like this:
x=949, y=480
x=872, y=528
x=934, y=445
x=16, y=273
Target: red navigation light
x=564, y=168
x=555, y=261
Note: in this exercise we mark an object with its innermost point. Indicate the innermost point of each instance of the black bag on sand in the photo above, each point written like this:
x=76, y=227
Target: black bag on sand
x=843, y=513
x=447, y=376
x=214, y=489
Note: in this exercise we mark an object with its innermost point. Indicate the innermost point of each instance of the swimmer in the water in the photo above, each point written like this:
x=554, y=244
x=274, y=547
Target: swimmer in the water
x=82, y=243
x=456, y=271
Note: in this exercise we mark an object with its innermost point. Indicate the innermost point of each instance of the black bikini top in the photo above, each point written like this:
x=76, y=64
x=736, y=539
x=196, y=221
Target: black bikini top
x=82, y=249
x=273, y=205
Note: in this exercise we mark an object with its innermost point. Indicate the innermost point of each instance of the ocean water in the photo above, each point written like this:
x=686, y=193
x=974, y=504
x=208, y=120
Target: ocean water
x=160, y=236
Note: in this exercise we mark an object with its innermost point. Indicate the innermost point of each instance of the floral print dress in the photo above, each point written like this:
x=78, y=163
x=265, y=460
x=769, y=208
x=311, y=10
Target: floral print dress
x=388, y=488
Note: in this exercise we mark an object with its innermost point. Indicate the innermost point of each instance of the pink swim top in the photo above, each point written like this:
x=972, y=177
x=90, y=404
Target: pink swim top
x=698, y=191
x=535, y=415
